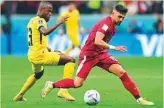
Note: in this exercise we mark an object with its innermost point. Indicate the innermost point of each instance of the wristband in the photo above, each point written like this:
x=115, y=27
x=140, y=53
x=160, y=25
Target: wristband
x=112, y=47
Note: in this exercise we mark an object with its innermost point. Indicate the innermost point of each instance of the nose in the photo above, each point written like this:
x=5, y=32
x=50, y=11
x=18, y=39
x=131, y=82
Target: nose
x=121, y=19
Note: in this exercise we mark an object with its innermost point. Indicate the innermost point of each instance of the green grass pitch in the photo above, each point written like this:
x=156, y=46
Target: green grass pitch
x=145, y=72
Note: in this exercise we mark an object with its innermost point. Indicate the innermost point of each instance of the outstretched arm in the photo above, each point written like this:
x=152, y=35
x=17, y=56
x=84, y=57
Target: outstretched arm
x=99, y=41
x=46, y=31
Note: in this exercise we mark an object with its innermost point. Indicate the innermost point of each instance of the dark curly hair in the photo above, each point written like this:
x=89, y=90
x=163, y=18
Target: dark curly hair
x=121, y=9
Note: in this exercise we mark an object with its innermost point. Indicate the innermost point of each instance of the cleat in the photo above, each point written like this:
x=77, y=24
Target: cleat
x=19, y=98
x=63, y=93
x=47, y=88
x=144, y=102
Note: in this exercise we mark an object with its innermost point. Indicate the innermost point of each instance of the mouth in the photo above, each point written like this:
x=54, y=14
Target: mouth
x=49, y=17
x=119, y=23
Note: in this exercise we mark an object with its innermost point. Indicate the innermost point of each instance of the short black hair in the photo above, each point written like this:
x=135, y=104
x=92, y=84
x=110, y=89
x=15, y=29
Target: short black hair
x=44, y=4
x=121, y=8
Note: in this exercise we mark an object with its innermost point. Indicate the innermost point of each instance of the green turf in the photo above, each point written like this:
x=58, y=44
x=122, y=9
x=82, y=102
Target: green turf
x=145, y=72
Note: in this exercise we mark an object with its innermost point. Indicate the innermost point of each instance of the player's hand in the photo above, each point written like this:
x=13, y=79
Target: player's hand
x=121, y=48
x=64, y=18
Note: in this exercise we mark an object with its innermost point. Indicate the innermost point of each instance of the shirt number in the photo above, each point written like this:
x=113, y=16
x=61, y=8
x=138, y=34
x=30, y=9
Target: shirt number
x=30, y=37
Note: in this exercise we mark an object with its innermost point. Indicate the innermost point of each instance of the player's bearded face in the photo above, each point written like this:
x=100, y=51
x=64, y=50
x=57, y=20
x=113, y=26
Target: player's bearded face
x=118, y=17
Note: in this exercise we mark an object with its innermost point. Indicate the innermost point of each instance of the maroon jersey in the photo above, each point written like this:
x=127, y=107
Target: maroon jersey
x=104, y=26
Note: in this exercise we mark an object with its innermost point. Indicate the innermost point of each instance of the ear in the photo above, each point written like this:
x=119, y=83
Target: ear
x=39, y=10
x=114, y=12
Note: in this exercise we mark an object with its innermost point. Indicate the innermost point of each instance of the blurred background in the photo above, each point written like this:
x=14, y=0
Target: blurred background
x=141, y=32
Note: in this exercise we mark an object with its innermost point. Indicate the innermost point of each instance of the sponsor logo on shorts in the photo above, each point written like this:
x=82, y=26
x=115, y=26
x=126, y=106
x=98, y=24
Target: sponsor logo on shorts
x=111, y=57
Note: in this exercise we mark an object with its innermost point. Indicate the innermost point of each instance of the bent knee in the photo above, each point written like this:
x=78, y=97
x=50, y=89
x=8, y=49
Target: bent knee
x=38, y=75
x=121, y=72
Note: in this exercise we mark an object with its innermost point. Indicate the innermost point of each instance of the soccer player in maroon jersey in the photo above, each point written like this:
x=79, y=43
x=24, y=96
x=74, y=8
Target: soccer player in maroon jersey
x=95, y=53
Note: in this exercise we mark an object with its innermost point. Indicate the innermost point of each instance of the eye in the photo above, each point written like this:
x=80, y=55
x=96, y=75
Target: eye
x=120, y=16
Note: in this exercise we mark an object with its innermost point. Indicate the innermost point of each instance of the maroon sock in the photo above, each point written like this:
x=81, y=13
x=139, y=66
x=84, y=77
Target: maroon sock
x=129, y=85
x=65, y=83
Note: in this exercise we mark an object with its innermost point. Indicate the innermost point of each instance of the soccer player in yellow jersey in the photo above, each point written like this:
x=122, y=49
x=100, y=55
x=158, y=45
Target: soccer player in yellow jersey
x=40, y=55
x=72, y=25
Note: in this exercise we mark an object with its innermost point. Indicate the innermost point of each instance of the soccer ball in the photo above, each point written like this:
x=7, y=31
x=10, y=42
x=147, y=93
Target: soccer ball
x=91, y=97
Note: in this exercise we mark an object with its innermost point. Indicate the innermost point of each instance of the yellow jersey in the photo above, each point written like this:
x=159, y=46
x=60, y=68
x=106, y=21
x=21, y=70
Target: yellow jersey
x=38, y=53
x=36, y=40
x=72, y=24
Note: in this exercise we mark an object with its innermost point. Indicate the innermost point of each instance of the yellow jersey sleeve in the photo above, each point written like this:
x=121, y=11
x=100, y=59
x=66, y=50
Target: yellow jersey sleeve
x=40, y=22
